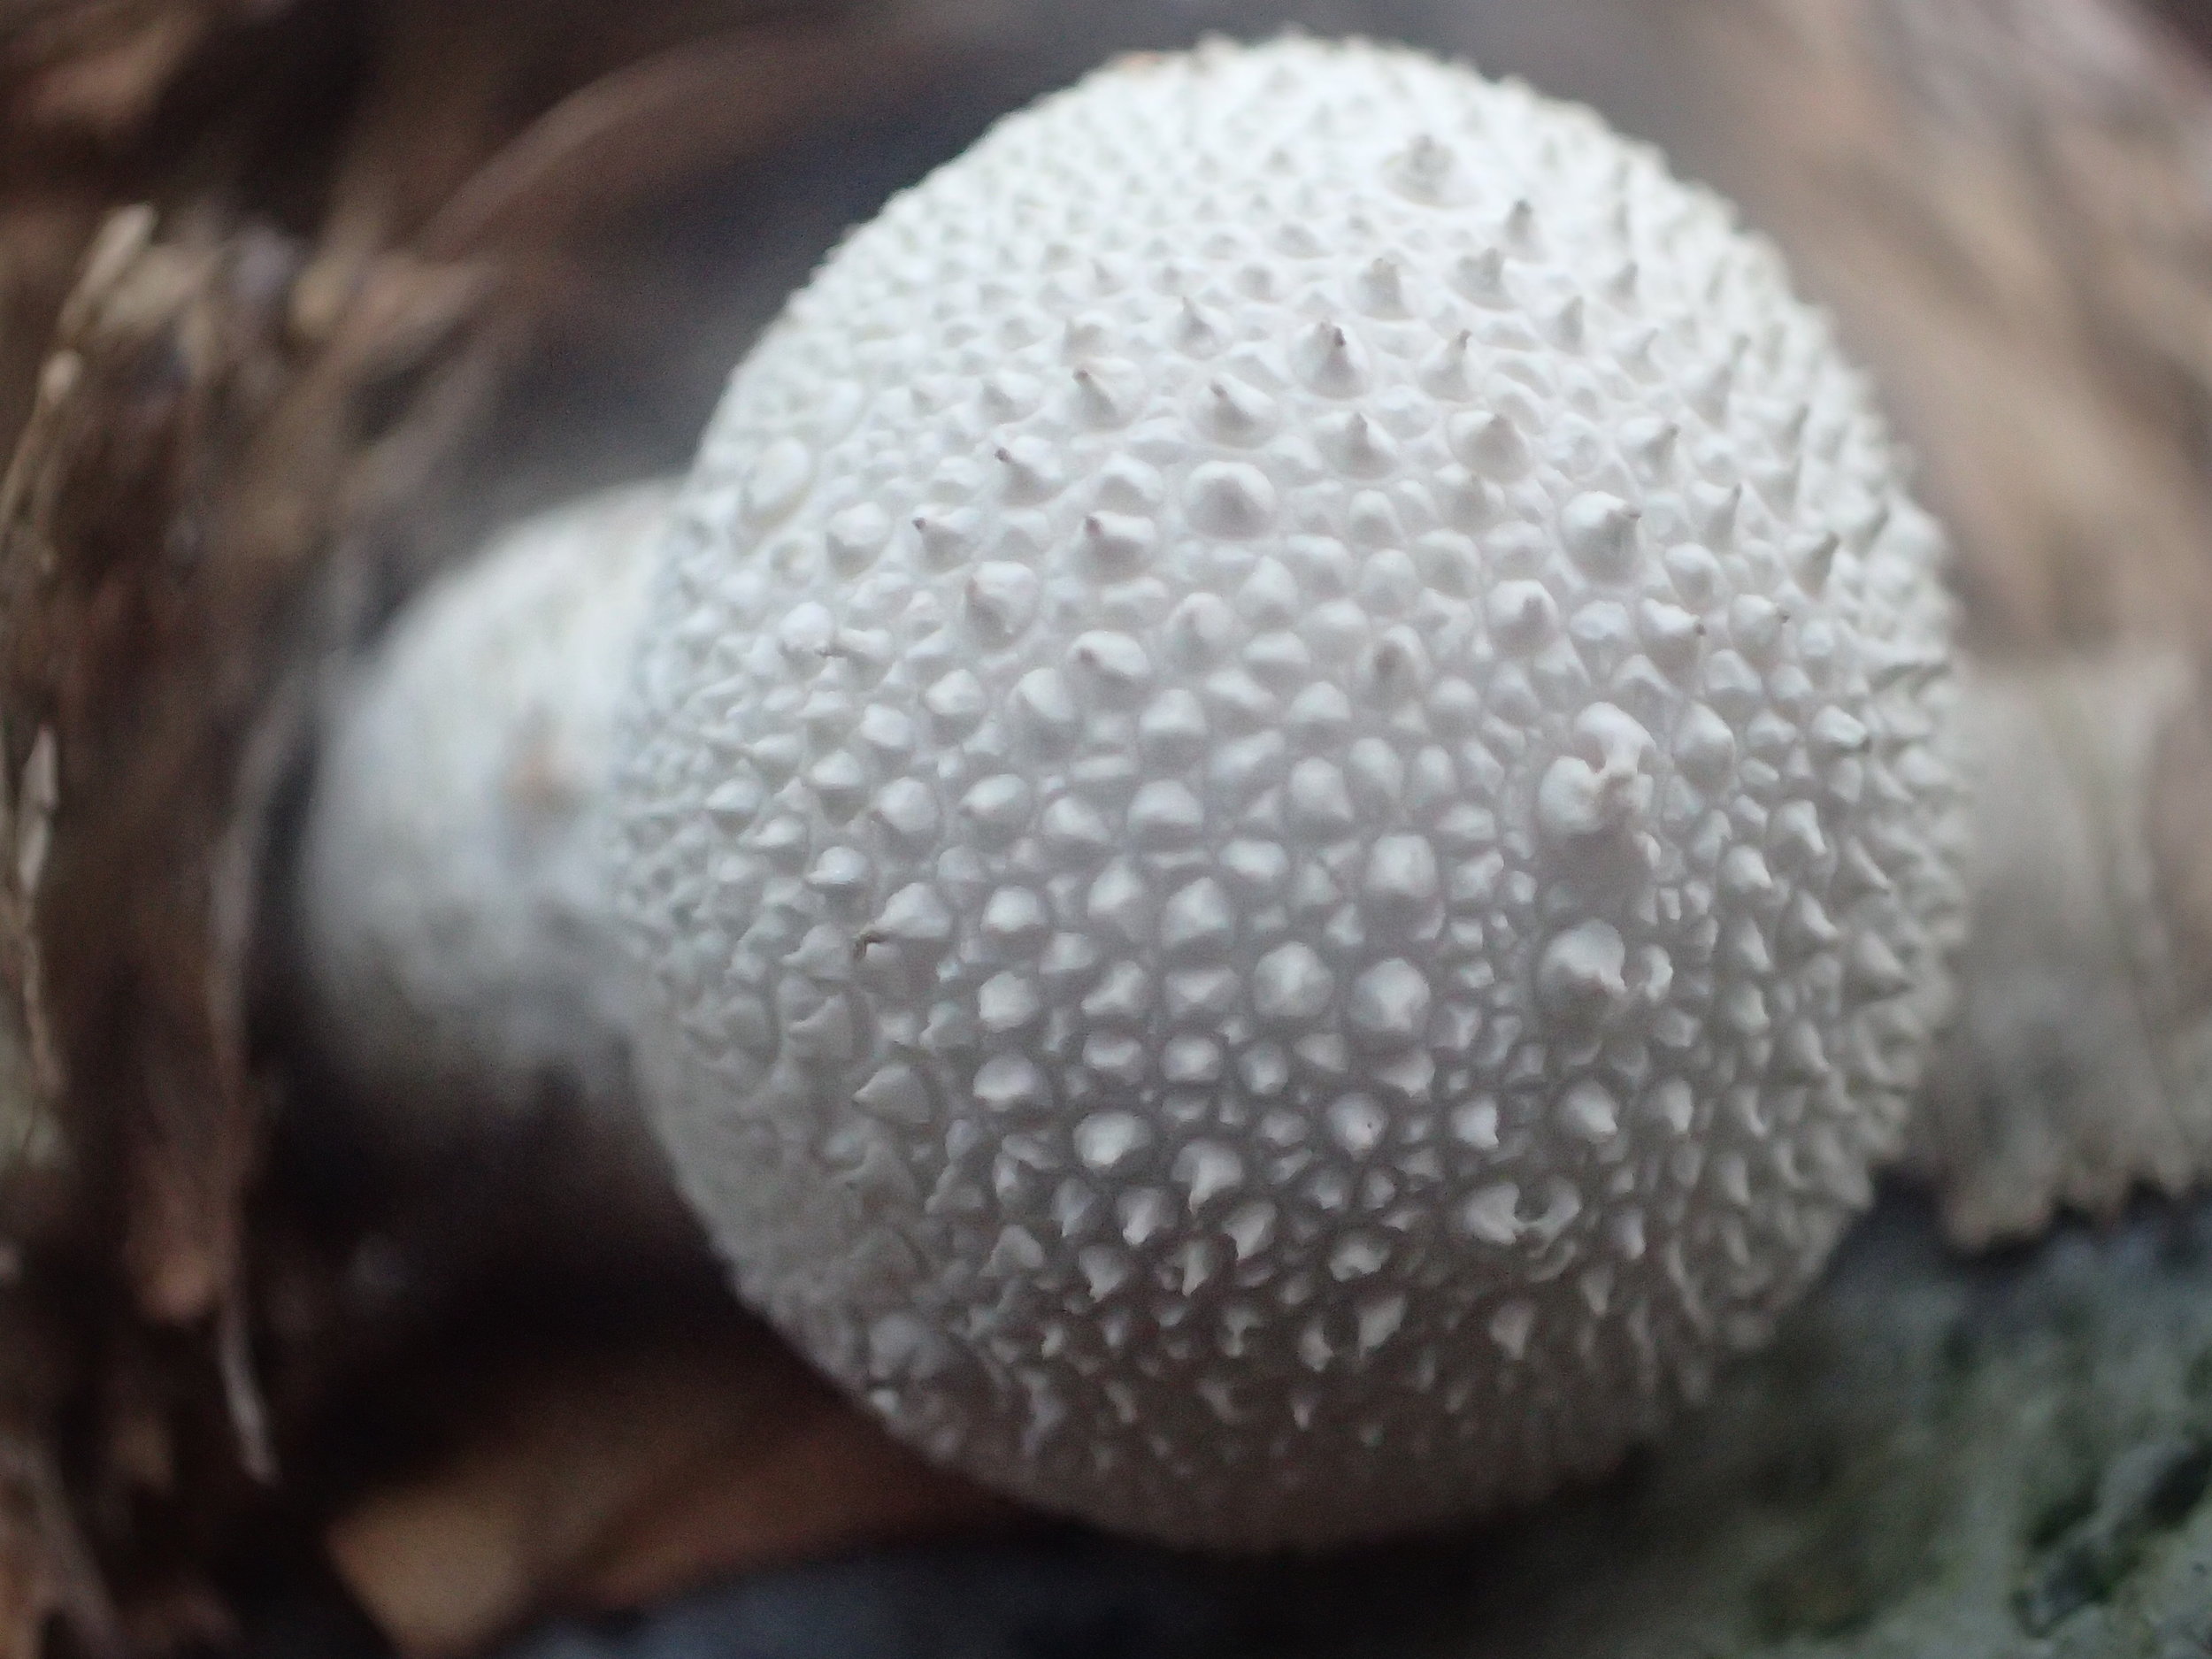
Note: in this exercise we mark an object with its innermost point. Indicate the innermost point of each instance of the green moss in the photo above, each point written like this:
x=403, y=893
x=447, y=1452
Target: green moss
x=1939, y=1458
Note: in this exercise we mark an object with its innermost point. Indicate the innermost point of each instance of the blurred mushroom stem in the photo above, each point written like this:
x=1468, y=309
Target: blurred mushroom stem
x=2079, y=1066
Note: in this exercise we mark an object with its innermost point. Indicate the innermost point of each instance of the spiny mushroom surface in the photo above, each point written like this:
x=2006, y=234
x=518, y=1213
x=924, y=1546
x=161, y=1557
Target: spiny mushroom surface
x=1288, y=812
x=452, y=907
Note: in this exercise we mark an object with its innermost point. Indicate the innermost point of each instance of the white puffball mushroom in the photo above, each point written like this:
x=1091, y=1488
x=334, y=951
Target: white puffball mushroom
x=458, y=948
x=1288, y=817
x=2079, y=1069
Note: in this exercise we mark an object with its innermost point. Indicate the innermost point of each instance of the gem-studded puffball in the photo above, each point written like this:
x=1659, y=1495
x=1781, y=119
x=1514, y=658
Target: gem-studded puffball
x=1289, y=819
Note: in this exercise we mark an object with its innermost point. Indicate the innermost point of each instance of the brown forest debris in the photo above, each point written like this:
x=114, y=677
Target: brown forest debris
x=2007, y=203
x=232, y=437
x=98, y=71
x=604, y=1482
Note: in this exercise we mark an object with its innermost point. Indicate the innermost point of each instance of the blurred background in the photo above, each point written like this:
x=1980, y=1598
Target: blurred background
x=300, y=298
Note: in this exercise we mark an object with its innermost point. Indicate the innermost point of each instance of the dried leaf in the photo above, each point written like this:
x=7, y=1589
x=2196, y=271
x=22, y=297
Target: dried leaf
x=602, y=1484
x=105, y=588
